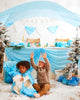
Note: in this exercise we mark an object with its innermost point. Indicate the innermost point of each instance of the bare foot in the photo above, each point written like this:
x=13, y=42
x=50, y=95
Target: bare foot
x=48, y=93
x=53, y=85
x=37, y=95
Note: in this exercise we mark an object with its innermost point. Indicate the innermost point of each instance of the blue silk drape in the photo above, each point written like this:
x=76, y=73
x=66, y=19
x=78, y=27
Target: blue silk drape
x=56, y=57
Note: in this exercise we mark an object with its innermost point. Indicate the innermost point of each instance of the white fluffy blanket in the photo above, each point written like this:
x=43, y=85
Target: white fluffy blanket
x=58, y=91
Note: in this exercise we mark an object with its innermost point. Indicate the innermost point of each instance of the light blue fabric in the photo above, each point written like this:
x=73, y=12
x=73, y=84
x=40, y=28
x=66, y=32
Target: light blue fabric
x=9, y=24
x=22, y=54
x=21, y=44
x=28, y=92
x=65, y=81
x=56, y=57
x=73, y=82
x=13, y=44
x=61, y=78
x=9, y=68
x=39, y=9
x=17, y=44
x=69, y=42
x=24, y=90
x=63, y=44
x=53, y=29
x=30, y=30
x=4, y=19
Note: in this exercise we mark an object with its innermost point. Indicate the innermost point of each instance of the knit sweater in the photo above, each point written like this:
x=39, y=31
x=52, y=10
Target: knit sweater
x=42, y=73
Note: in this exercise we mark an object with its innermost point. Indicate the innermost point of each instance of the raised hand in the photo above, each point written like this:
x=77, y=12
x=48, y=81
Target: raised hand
x=44, y=55
x=32, y=54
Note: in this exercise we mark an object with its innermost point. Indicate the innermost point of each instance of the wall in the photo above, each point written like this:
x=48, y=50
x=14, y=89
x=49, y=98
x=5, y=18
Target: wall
x=17, y=30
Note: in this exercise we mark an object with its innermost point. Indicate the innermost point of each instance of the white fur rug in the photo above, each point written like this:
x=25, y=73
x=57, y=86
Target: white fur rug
x=58, y=91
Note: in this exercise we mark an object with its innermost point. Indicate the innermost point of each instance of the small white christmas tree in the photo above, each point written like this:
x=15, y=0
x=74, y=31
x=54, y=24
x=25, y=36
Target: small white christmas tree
x=71, y=69
x=4, y=42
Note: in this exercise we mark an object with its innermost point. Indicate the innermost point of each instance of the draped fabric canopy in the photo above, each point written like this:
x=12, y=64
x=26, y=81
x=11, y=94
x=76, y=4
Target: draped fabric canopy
x=56, y=57
x=39, y=9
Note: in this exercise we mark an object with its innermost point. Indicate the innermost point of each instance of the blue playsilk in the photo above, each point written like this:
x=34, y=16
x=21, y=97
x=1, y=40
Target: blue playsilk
x=69, y=42
x=61, y=78
x=17, y=44
x=56, y=57
x=73, y=82
x=39, y=9
x=65, y=81
x=9, y=68
x=9, y=24
x=24, y=90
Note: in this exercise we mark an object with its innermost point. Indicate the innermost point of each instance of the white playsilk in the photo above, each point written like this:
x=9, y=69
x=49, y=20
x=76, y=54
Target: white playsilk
x=18, y=83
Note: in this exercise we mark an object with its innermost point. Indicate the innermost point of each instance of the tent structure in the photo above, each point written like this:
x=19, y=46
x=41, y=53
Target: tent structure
x=43, y=9
x=39, y=9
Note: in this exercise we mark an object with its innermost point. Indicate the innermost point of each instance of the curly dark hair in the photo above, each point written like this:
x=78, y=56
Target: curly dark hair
x=23, y=63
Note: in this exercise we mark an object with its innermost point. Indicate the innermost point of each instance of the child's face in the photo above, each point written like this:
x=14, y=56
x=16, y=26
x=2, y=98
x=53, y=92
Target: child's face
x=22, y=69
x=41, y=64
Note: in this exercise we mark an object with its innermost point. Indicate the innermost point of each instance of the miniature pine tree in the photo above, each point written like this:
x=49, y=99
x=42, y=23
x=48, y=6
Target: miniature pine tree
x=4, y=42
x=71, y=69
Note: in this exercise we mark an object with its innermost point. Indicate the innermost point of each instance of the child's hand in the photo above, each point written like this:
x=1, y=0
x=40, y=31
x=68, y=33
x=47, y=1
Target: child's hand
x=44, y=55
x=21, y=79
x=32, y=54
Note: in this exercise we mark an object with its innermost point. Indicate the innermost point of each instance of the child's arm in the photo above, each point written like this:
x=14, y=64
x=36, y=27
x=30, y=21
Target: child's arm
x=47, y=64
x=32, y=62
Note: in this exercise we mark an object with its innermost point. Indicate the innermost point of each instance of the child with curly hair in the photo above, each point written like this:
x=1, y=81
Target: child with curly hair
x=22, y=80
